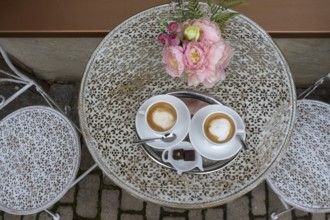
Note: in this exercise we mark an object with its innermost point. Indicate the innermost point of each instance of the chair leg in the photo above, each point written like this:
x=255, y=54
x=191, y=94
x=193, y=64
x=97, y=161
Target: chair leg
x=275, y=215
x=55, y=216
x=84, y=175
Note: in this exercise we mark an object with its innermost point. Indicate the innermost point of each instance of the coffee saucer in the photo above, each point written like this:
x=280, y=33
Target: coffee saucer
x=206, y=148
x=181, y=128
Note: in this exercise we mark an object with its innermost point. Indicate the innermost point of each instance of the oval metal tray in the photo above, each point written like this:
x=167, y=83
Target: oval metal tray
x=194, y=101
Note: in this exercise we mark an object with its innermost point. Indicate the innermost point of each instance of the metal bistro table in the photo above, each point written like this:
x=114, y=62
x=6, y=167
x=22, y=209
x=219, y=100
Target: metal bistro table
x=126, y=69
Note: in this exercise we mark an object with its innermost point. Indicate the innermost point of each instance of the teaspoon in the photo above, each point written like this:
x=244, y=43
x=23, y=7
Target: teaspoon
x=245, y=147
x=168, y=137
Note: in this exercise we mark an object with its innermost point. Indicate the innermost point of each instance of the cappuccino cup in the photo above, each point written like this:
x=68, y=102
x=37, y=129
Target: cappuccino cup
x=219, y=128
x=161, y=116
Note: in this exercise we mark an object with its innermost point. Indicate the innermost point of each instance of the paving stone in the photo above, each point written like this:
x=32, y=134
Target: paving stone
x=45, y=216
x=214, y=214
x=258, y=200
x=275, y=205
x=131, y=217
x=110, y=204
x=166, y=209
x=87, y=160
x=65, y=212
x=173, y=218
x=8, y=216
x=87, y=199
x=318, y=216
x=129, y=202
x=30, y=217
x=107, y=181
x=62, y=94
x=152, y=211
x=66, y=98
x=300, y=213
x=328, y=215
x=195, y=215
x=88, y=196
x=238, y=209
x=69, y=196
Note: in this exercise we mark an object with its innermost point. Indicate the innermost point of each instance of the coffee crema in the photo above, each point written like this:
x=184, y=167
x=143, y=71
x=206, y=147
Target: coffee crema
x=219, y=128
x=161, y=116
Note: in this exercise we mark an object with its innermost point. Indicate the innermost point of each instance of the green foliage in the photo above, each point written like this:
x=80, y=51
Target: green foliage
x=222, y=19
x=228, y=4
x=194, y=9
x=219, y=13
x=191, y=9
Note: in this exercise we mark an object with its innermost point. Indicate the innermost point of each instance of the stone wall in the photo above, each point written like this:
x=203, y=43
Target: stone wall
x=65, y=59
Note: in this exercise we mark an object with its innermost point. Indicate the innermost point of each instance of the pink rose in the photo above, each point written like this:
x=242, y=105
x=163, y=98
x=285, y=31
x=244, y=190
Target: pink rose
x=194, y=56
x=173, y=59
x=218, y=58
x=164, y=39
x=211, y=77
x=174, y=40
x=173, y=27
x=210, y=30
x=227, y=54
x=219, y=55
x=193, y=79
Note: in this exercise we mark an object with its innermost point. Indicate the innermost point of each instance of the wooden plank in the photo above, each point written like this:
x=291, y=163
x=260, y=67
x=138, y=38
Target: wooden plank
x=95, y=18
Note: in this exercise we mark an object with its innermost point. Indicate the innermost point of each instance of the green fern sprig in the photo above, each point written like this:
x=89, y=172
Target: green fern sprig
x=219, y=13
x=228, y=4
x=191, y=9
x=214, y=9
x=194, y=9
x=223, y=18
x=179, y=14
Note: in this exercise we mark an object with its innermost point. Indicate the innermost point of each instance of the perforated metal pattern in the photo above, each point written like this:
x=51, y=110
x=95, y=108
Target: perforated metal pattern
x=39, y=158
x=302, y=178
x=126, y=69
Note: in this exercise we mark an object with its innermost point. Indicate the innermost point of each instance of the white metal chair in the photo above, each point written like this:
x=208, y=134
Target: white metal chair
x=302, y=177
x=39, y=151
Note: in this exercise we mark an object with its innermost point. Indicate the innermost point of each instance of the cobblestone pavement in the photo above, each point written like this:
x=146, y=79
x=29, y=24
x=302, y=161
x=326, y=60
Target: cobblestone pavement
x=97, y=197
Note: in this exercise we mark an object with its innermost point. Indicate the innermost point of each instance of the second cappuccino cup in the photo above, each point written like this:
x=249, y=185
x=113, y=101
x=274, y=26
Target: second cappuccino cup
x=219, y=128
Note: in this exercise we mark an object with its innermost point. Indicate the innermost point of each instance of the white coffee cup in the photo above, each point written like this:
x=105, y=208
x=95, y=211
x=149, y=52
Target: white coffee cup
x=180, y=127
x=161, y=116
x=219, y=128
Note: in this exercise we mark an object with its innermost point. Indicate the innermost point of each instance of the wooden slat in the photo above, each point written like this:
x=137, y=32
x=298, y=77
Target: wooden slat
x=95, y=18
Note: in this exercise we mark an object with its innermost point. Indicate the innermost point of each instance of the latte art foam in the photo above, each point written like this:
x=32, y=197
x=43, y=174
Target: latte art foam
x=219, y=128
x=161, y=116
x=163, y=119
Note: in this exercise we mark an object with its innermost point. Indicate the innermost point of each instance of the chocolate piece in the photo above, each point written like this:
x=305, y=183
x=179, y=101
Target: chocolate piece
x=189, y=155
x=178, y=154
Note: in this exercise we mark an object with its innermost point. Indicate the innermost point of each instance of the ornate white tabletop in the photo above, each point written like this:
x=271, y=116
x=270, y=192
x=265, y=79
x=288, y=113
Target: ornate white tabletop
x=39, y=159
x=126, y=69
x=302, y=179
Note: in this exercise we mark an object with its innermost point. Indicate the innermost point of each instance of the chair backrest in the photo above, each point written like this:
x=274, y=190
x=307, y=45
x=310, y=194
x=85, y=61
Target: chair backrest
x=62, y=124
x=310, y=89
x=20, y=78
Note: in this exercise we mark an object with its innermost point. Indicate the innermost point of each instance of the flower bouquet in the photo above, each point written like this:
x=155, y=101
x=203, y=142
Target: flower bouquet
x=193, y=46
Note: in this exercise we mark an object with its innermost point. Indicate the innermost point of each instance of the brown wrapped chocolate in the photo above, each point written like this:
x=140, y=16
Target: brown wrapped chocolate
x=178, y=154
x=189, y=155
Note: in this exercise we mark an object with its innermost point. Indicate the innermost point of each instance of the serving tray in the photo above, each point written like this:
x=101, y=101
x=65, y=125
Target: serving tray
x=194, y=101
